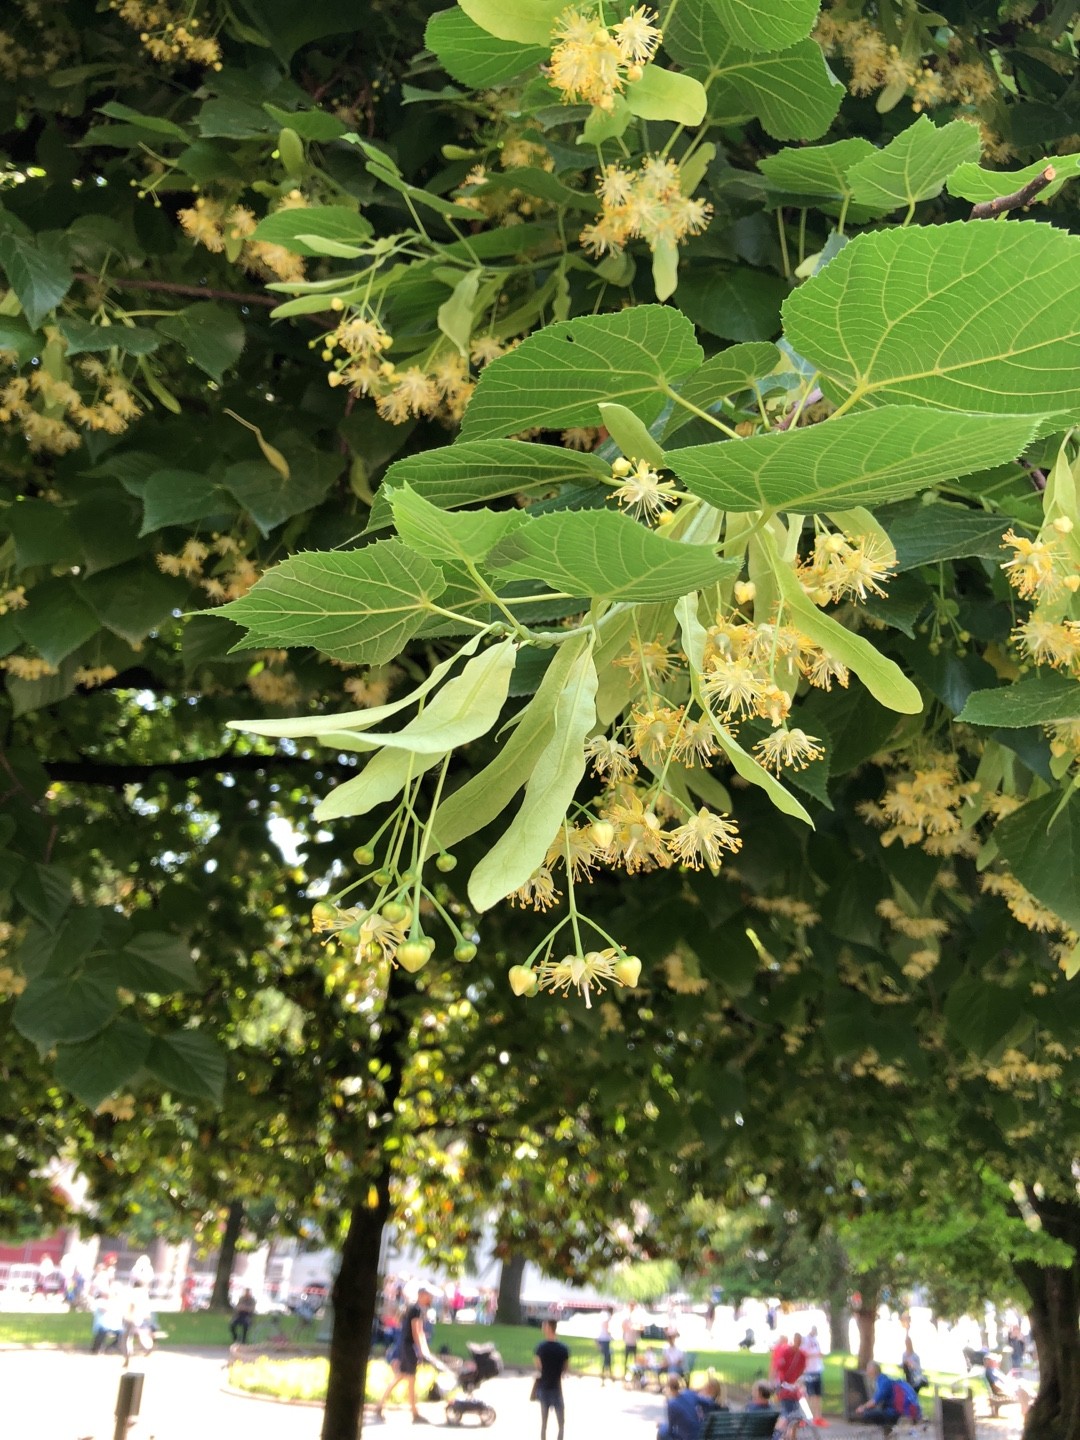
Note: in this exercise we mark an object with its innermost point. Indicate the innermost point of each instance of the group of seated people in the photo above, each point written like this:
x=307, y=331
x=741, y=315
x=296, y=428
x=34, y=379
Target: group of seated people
x=653, y=1364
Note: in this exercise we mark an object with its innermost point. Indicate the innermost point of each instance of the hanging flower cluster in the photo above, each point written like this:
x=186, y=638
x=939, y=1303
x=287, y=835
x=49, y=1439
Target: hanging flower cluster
x=217, y=226
x=591, y=62
x=52, y=412
x=923, y=805
x=169, y=34
x=647, y=204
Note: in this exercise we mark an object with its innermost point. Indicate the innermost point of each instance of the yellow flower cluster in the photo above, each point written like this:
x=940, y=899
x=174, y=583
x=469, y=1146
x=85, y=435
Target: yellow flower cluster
x=274, y=687
x=843, y=567
x=373, y=688
x=640, y=491
x=14, y=599
x=215, y=225
x=1044, y=571
x=589, y=973
x=11, y=982
x=870, y=1064
x=169, y=34
x=27, y=667
x=120, y=1107
x=591, y=62
x=950, y=79
x=1039, y=569
x=682, y=973
x=915, y=927
x=233, y=575
x=1015, y=1069
x=1024, y=907
x=47, y=408
x=91, y=676
x=922, y=806
x=647, y=204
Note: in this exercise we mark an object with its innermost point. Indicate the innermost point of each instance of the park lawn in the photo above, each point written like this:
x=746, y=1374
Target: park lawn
x=27, y=1327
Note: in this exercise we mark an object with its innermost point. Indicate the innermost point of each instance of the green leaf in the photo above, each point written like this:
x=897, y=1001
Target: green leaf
x=981, y=1015
x=473, y=56
x=101, y=1066
x=528, y=22
x=970, y=316
x=766, y=24
x=456, y=315
x=601, y=553
x=1040, y=843
x=227, y=118
x=16, y=335
x=972, y=182
x=630, y=434
x=882, y=677
x=154, y=124
x=465, y=537
x=558, y=376
x=134, y=599
x=268, y=497
x=478, y=470
x=337, y=223
x=463, y=710
x=548, y=795
x=316, y=125
x=734, y=303
x=925, y=534
x=666, y=95
x=189, y=1062
x=212, y=335
x=164, y=962
x=57, y=620
x=360, y=605
x=178, y=497
x=39, y=274
x=1042, y=699
x=725, y=374
x=864, y=459
x=793, y=93
x=62, y=1008
x=43, y=534
x=914, y=166
x=818, y=171
x=83, y=337
x=484, y=798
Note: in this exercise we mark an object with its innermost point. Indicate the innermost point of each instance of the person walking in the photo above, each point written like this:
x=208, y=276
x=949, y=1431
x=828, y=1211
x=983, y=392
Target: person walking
x=631, y=1334
x=412, y=1348
x=603, y=1342
x=552, y=1361
x=813, y=1372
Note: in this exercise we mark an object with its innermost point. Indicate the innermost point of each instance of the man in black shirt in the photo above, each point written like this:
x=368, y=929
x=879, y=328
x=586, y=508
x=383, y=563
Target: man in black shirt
x=412, y=1348
x=552, y=1361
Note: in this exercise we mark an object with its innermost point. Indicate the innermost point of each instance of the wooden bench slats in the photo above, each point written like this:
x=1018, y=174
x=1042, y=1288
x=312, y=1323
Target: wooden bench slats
x=740, y=1424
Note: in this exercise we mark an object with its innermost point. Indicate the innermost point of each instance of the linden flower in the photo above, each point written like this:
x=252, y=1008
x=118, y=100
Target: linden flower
x=539, y=891
x=642, y=493
x=1049, y=642
x=793, y=749
x=586, y=973
x=696, y=742
x=610, y=760
x=736, y=685
x=703, y=839
x=655, y=732
x=586, y=64
x=648, y=658
x=1031, y=570
x=637, y=36
x=638, y=842
x=362, y=335
x=575, y=847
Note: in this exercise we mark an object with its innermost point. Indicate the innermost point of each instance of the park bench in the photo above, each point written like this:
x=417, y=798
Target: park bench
x=998, y=1398
x=739, y=1424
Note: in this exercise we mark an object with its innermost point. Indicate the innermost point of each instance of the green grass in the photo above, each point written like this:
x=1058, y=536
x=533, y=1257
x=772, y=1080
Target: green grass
x=45, y=1328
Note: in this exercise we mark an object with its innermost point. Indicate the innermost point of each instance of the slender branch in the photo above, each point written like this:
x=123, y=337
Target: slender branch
x=116, y=775
x=172, y=287
x=987, y=209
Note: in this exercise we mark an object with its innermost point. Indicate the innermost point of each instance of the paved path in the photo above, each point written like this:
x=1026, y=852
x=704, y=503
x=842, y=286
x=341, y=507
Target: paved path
x=62, y=1395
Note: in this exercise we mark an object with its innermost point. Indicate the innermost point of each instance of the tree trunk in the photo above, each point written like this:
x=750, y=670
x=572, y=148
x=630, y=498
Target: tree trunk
x=839, y=1317
x=866, y=1319
x=508, y=1310
x=234, y=1224
x=356, y=1290
x=1055, y=1306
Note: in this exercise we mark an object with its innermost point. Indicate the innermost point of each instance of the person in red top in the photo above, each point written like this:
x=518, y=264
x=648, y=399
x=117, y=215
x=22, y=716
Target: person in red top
x=777, y=1357
x=790, y=1366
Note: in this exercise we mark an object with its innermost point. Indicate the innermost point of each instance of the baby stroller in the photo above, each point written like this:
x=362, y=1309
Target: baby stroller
x=484, y=1363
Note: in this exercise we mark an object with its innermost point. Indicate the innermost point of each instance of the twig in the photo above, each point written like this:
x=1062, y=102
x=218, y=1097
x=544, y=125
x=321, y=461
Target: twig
x=987, y=209
x=171, y=287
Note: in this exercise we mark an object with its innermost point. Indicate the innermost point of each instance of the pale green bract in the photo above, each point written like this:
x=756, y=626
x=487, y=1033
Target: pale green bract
x=973, y=316
x=549, y=793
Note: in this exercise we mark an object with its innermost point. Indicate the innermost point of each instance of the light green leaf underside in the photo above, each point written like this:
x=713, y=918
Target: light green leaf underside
x=336, y=223
x=766, y=24
x=882, y=677
x=602, y=553
x=463, y=536
x=914, y=166
x=548, y=794
x=360, y=605
x=382, y=778
x=975, y=316
x=527, y=22
x=484, y=797
x=472, y=472
x=744, y=764
x=819, y=171
x=864, y=459
x=474, y=57
x=558, y=377
x=972, y=182
x=351, y=720
x=732, y=370
x=1039, y=700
